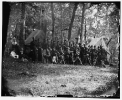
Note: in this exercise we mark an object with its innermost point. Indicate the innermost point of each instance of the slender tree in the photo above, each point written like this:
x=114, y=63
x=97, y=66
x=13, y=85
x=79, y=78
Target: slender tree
x=61, y=21
x=53, y=20
x=85, y=32
x=82, y=21
x=72, y=20
x=21, y=39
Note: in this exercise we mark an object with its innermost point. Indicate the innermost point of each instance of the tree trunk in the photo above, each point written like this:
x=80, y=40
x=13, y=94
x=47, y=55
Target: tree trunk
x=53, y=20
x=24, y=23
x=85, y=32
x=72, y=20
x=21, y=39
x=61, y=22
x=82, y=22
x=43, y=25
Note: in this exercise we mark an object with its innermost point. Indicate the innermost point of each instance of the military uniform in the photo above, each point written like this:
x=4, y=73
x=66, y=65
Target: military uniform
x=61, y=56
x=33, y=50
x=94, y=55
x=54, y=56
x=98, y=56
x=77, y=57
x=48, y=55
x=91, y=55
x=40, y=54
x=84, y=54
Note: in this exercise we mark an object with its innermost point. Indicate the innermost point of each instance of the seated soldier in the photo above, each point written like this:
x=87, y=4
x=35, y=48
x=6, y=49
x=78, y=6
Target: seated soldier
x=15, y=48
x=23, y=55
x=13, y=54
x=54, y=56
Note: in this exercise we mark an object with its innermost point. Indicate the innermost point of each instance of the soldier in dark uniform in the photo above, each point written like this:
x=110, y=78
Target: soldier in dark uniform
x=61, y=43
x=81, y=52
x=94, y=55
x=53, y=44
x=33, y=50
x=77, y=57
x=65, y=45
x=57, y=46
x=36, y=49
x=48, y=55
x=91, y=55
x=84, y=54
x=76, y=41
x=50, y=58
x=98, y=56
x=72, y=52
x=103, y=56
x=67, y=55
x=61, y=56
x=40, y=53
x=73, y=44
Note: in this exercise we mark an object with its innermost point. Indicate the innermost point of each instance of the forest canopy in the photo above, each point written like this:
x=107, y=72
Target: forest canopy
x=65, y=20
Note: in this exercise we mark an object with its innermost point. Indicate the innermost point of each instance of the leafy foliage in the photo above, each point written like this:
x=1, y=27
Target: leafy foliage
x=100, y=19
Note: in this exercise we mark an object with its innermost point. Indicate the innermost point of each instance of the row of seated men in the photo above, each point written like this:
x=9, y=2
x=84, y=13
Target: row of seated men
x=67, y=53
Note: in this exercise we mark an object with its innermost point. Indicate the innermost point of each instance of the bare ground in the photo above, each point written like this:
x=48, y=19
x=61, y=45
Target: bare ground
x=37, y=79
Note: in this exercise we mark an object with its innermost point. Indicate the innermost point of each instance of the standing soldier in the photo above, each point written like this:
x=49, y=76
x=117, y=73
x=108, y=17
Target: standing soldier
x=33, y=50
x=103, y=56
x=50, y=58
x=76, y=41
x=77, y=59
x=81, y=51
x=65, y=45
x=72, y=51
x=84, y=54
x=98, y=56
x=53, y=44
x=40, y=54
x=61, y=56
x=48, y=55
x=67, y=56
x=57, y=46
x=91, y=55
x=94, y=55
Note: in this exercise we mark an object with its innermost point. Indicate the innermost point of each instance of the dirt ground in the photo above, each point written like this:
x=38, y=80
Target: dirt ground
x=36, y=79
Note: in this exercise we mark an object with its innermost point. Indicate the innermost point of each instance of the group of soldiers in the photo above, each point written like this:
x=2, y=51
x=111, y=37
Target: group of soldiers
x=66, y=53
